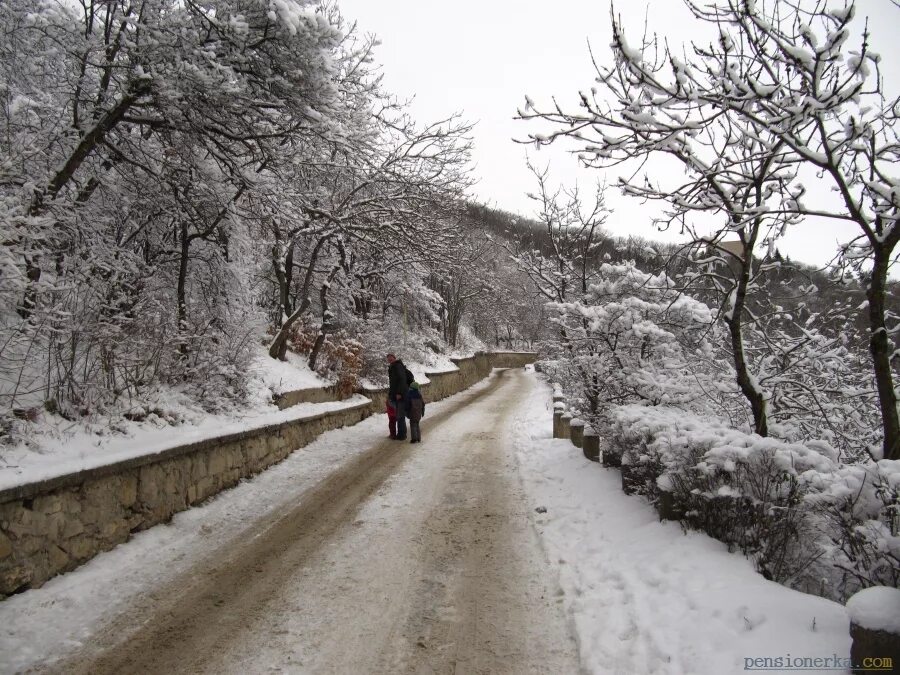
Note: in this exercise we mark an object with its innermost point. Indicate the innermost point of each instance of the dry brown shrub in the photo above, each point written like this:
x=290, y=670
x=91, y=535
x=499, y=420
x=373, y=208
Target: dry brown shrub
x=340, y=358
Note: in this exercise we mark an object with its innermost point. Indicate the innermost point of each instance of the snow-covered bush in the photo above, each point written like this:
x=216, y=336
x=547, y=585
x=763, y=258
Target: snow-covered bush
x=805, y=519
x=860, y=504
x=341, y=357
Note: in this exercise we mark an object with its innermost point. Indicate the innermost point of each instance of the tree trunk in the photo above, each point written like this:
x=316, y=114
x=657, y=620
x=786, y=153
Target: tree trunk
x=326, y=324
x=287, y=302
x=278, y=348
x=880, y=349
x=29, y=299
x=745, y=380
x=362, y=299
x=317, y=347
x=282, y=262
x=181, y=290
x=90, y=141
x=453, y=318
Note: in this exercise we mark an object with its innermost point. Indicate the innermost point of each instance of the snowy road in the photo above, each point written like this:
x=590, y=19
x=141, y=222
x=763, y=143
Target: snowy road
x=402, y=558
x=362, y=555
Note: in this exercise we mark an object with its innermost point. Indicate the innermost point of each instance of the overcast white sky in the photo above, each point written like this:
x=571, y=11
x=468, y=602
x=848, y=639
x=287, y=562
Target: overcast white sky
x=482, y=57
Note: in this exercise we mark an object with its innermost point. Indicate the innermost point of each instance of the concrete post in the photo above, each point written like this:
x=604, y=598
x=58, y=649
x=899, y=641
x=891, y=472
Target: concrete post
x=559, y=408
x=576, y=431
x=612, y=456
x=629, y=478
x=665, y=507
x=590, y=444
x=564, y=423
x=875, y=629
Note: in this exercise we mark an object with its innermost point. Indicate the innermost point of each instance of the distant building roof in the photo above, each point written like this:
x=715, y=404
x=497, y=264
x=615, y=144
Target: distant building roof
x=734, y=247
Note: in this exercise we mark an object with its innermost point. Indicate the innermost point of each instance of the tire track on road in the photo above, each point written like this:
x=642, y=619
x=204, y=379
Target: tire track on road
x=188, y=619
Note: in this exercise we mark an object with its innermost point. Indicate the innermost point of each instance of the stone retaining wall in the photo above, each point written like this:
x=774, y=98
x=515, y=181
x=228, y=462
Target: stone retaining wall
x=443, y=384
x=512, y=359
x=52, y=526
x=311, y=395
x=469, y=371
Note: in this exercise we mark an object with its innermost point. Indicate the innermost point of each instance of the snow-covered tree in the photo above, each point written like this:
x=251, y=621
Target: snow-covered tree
x=388, y=193
x=747, y=116
x=563, y=265
x=820, y=95
x=173, y=174
x=641, y=340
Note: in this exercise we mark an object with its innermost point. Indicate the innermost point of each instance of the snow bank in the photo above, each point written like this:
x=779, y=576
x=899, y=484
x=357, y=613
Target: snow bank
x=276, y=377
x=644, y=596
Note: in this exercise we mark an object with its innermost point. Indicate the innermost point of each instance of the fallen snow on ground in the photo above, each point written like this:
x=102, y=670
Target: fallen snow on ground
x=281, y=376
x=644, y=596
x=41, y=625
x=81, y=450
x=59, y=447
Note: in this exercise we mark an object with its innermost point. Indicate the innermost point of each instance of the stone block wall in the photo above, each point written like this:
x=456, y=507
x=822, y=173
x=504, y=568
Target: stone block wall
x=512, y=359
x=311, y=395
x=52, y=526
x=469, y=371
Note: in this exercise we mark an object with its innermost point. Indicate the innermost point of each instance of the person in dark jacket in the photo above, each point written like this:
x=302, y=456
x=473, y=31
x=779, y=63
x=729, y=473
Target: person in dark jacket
x=415, y=410
x=398, y=384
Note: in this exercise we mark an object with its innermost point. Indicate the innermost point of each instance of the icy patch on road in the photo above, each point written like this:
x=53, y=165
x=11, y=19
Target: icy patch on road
x=644, y=596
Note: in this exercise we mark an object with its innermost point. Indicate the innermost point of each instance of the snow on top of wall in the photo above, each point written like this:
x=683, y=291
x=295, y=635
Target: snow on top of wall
x=876, y=608
x=83, y=450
